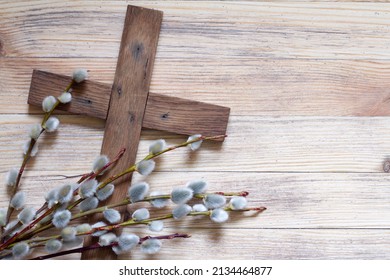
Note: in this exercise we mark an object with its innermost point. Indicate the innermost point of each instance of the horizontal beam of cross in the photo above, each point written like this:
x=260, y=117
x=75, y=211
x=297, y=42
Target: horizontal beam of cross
x=171, y=114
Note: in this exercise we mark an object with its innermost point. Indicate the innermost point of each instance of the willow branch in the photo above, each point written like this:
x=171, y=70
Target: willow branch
x=98, y=246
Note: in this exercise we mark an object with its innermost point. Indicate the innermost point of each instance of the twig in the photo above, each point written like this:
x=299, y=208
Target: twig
x=98, y=246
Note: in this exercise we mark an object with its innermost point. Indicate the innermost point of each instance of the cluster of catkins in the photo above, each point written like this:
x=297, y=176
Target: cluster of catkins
x=90, y=193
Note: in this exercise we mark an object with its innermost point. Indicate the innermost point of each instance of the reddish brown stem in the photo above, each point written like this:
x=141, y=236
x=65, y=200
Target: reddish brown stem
x=85, y=176
x=98, y=246
x=30, y=226
x=119, y=155
x=243, y=193
x=258, y=209
x=93, y=175
x=15, y=188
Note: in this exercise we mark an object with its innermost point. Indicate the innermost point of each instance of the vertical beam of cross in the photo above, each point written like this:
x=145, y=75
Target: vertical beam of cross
x=128, y=98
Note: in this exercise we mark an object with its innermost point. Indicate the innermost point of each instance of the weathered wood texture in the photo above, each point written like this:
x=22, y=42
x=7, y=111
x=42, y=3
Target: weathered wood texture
x=128, y=103
x=89, y=98
x=306, y=208
x=299, y=144
x=295, y=75
x=162, y=112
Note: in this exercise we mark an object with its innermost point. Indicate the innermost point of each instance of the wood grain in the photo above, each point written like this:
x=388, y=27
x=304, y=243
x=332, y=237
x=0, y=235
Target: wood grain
x=171, y=114
x=128, y=100
x=187, y=117
x=295, y=74
x=267, y=244
x=266, y=87
x=293, y=200
x=312, y=215
x=211, y=29
x=84, y=95
x=254, y=144
x=274, y=244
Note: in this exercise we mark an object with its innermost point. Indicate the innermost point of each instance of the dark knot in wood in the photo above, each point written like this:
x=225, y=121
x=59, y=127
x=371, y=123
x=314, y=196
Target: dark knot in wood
x=119, y=90
x=86, y=101
x=137, y=50
x=386, y=166
x=131, y=117
x=2, y=49
x=165, y=116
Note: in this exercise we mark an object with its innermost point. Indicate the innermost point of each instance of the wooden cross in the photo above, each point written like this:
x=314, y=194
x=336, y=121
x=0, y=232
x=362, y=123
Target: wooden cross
x=127, y=105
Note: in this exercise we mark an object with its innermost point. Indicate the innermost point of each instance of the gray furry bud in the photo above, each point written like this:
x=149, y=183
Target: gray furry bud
x=83, y=228
x=20, y=250
x=34, y=149
x=212, y=201
x=88, y=188
x=238, y=203
x=68, y=234
x=88, y=204
x=35, y=131
x=181, y=195
x=156, y=226
x=126, y=242
x=199, y=208
x=65, y=193
x=51, y=197
x=198, y=186
x=157, y=146
x=80, y=75
x=61, y=218
x=53, y=246
x=151, y=246
x=99, y=163
x=181, y=211
x=112, y=216
x=195, y=145
x=158, y=202
x=18, y=200
x=138, y=191
x=219, y=215
x=11, y=176
x=3, y=216
x=26, y=215
x=107, y=239
x=141, y=214
x=105, y=192
x=13, y=225
x=65, y=97
x=145, y=167
x=48, y=103
x=52, y=124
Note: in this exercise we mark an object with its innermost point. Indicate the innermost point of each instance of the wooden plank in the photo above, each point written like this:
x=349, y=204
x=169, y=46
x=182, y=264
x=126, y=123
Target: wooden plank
x=267, y=244
x=270, y=244
x=162, y=112
x=299, y=200
x=203, y=30
x=89, y=98
x=311, y=210
x=128, y=99
x=183, y=116
x=280, y=87
x=303, y=87
x=254, y=144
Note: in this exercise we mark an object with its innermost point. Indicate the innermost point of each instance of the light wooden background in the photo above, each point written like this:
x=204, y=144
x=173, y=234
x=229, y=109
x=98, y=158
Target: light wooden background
x=308, y=84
